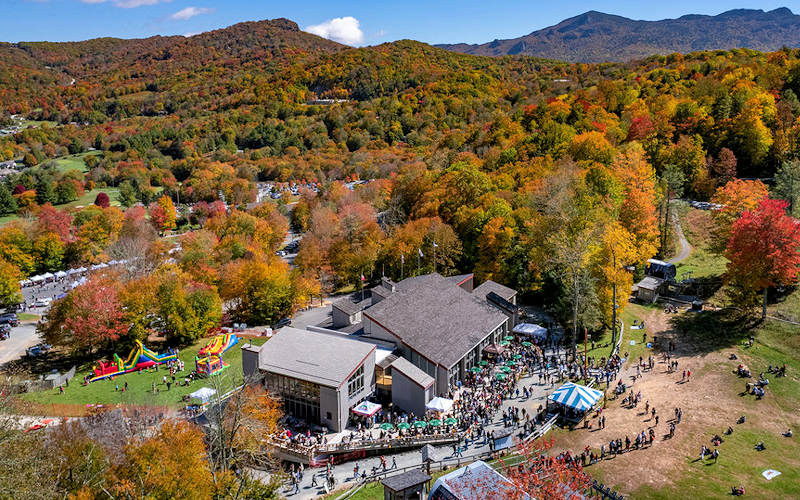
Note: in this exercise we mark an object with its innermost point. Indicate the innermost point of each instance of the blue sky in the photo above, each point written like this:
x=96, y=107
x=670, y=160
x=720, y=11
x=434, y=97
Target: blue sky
x=356, y=22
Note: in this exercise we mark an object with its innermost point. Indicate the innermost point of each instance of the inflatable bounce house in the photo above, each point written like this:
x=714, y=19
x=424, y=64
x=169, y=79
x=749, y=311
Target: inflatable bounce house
x=208, y=361
x=140, y=358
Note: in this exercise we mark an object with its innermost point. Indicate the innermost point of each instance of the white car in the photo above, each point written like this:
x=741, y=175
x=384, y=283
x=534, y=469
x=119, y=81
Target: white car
x=43, y=302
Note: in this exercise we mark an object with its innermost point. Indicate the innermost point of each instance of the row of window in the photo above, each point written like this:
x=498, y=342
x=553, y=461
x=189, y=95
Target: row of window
x=355, y=384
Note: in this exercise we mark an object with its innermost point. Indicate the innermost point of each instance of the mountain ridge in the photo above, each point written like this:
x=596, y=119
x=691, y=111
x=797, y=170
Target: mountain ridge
x=595, y=36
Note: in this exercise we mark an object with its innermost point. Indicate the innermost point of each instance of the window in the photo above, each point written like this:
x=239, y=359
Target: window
x=328, y=415
x=356, y=382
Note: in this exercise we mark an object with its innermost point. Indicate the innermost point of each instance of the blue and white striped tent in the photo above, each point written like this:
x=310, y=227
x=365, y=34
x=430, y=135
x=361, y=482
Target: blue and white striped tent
x=576, y=396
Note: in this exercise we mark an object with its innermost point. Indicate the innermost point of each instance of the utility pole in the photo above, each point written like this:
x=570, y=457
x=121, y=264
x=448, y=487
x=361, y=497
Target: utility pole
x=586, y=355
x=614, y=300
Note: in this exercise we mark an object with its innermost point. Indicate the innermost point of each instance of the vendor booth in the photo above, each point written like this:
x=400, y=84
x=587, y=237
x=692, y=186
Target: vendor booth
x=200, y=398
x=530, y=330
x=441, y=405
x=366, y=410
x=572, y=401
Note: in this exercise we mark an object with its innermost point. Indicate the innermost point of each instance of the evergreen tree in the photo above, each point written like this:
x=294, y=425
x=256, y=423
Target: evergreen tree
x=45, y=190
x=8, y=204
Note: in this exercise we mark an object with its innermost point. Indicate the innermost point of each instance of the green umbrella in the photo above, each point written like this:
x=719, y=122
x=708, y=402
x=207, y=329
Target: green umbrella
x=484, y=363
x=419, y=424
x=505, y=369
x=508, y=337
x=435, y=422
x=404, y=425
x=511, y=363
x=475, y=369
x=386, y=426
x=518, y=356
x=526, y=344
x=450, y=421
x=500, y=376
x=504, y=343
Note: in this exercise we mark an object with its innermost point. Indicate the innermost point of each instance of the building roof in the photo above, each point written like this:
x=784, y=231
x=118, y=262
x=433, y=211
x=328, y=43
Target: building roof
x=349, y=307
x=476, y=480
x=460, y=278
x=408, y=479
x=436, y=318
x=491, y=286
x=650, y=283
x=321, y=358
x=412, y=373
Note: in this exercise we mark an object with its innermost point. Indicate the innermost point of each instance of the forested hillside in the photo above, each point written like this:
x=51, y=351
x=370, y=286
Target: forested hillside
x=505, y=162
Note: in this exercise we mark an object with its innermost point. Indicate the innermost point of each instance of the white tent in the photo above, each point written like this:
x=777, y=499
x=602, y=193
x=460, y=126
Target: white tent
x=37, y=279
x=48, y=276
x=439, y=404
x=531, y=330
x=61, y=274
x=204, y=394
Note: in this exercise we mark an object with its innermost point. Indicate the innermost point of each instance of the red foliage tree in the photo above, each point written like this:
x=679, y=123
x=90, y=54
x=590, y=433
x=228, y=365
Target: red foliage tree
x=95, y=316
x=19, y=189
x=764, y=249
x=102, y=200
x=51, y=220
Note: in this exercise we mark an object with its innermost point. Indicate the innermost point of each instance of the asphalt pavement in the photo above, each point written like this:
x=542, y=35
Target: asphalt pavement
x=22, y=337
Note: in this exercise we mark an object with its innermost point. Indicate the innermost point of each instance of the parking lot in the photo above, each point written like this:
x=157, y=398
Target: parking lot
x=22, y=337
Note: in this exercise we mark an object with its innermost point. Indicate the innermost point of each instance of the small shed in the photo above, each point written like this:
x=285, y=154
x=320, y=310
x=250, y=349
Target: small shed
x=412, y=484
x=412, y=388
x=648, y=289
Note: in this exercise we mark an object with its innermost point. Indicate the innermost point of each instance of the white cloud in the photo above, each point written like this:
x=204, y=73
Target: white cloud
x=191, y=34
x=93, y=1
x=189, y=12
x=341, y=29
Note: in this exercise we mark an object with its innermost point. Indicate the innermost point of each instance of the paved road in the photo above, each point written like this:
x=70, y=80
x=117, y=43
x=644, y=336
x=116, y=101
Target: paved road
x=686, y=248
x=22, y=337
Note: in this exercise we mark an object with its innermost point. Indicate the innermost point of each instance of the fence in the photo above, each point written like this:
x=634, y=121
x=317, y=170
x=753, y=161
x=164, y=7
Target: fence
x=56, y=379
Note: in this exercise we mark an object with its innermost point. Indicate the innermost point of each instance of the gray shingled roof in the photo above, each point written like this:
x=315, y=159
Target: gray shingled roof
x=349, y=307
x=406, y=480
x=412, y=373
x=459, y=278
x=436, y=318
x=325, y=359
x=491, y=286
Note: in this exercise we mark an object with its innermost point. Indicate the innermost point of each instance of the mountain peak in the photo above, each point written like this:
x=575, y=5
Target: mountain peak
x=598, y=37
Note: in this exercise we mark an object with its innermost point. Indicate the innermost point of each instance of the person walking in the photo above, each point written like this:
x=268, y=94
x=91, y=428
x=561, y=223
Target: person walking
x=715, y=454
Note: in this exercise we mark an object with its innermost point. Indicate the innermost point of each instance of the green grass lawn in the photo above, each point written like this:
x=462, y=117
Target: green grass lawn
x=75, y=162
x=28, y=317
x=85, y=200
x=140, y=384
x=697, y=225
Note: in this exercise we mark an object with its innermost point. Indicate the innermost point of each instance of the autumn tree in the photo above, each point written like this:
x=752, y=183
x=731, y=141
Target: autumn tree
x=185, y=310
x=10, y=292
x=763, y=251
x=163, y=214
x=88, y=317
x=735, y=198
x=538, y=474
x=170, y=464
x=638, y=212
x=102, y=200
x=259, y=290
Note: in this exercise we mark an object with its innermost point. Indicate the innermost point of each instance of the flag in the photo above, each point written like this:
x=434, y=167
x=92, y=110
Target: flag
x=402, y=259
x=435, y=245
x=362, y=277
x=420, y=252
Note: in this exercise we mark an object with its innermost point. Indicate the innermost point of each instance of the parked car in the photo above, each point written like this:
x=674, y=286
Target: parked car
x=9, y=319
x=38, y=350
x=42, y=302
x=282, y=323
x=5, y=331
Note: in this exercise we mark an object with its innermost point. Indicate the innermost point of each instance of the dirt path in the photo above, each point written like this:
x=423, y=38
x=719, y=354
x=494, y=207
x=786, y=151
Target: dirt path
x=686, y=248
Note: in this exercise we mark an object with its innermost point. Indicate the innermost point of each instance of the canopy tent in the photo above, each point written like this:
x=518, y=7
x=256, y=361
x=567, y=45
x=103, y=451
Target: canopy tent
x=439, y=404
x=531, y=330
x=578, y=397
x=494, y=349
x=48, y=276
x=366, y=408
x=37, y=278
x=204, y=394
x=60, y=274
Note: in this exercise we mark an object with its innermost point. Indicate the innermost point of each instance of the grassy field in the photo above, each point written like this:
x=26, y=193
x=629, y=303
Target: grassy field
x=86, y=199
x=697, y=225
x=140, y=385
x=74, y=162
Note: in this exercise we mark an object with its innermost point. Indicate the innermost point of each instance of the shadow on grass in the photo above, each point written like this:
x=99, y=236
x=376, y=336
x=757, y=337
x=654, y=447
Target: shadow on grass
x=713, y=330
x=704, y=287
